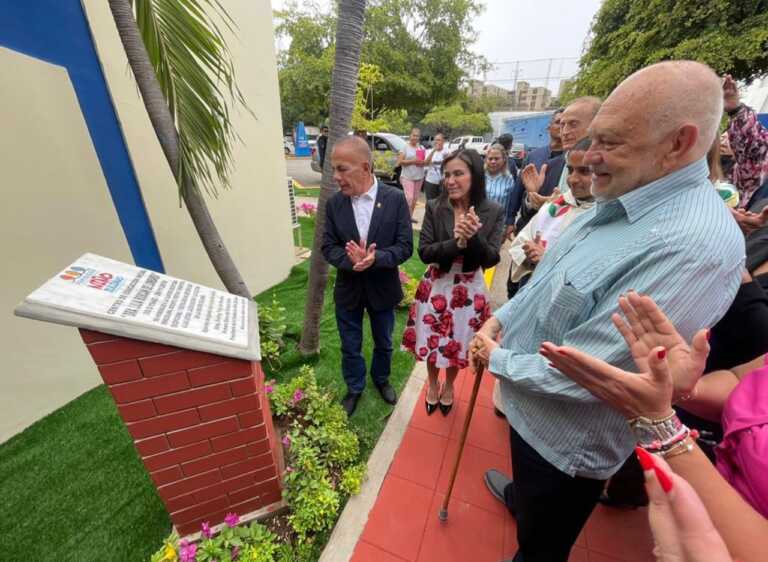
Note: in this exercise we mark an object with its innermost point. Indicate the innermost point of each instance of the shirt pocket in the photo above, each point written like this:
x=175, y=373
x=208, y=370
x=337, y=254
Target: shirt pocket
x=566, y=307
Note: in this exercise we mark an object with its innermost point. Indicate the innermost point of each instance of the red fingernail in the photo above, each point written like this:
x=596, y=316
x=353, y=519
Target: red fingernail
x=645, y=458
x=661, y=354
x=664, y=479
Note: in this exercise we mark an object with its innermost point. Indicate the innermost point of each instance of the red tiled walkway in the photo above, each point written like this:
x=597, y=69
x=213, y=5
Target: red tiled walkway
x=403, y=524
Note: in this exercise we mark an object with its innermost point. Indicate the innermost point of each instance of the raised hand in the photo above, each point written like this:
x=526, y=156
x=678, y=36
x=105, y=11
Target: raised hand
x=368, y=259
x=533, y=179
x=731, y=97
x=534, y=249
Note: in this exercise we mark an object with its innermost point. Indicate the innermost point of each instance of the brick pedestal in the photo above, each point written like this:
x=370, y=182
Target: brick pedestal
x=200, y=423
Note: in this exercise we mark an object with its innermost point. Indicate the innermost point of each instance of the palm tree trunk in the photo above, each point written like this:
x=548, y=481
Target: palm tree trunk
x=165, y=129
x=349, y=40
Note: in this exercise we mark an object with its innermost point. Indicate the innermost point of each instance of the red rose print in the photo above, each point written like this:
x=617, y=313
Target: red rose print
x=445, y=328
x=451, y=349
x=422, y=291
x=468, y=277
x=460, y=296
x=486, y=313
x=433, y=341
x=432, y=359
x=462, y=363
x=423, y=352
x=409, y=338
x=475, y=323
x=429, y=319
x=479, y=301
x=439, y=303
x=435, y=273
x=412, y=313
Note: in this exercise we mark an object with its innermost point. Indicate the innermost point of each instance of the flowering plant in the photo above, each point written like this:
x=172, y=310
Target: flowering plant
x=308, y=209
x=409, y=285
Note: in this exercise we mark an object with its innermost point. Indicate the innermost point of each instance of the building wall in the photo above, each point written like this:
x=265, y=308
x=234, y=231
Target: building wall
x=58, y=203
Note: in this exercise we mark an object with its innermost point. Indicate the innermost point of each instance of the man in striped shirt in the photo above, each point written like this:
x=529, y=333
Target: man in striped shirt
x=659, y=228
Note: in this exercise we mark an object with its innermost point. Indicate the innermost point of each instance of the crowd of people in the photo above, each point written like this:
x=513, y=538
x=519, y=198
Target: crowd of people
x=630, y=357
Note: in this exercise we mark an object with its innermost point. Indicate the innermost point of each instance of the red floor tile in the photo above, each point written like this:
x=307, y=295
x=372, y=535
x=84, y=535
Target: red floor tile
x=597, y=557
x=470, y=485
x=366, y=552
x=436, y=423
x=486, y=430
x=581, y=540
x=510, y=537
x=621, y=534
x=469, y=534
x=419, y=457
x=396, y=522
x=578, y=555
x=484, y=394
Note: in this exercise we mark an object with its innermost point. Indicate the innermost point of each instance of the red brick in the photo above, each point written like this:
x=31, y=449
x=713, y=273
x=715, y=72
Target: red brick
x=89, y=336
x=124, y=371
x=256, y=449
x=245, y=386
x=240, y=438
x=189, y=485
x=227, y=408
x=177, y=456
x=255, y=492
x=149, y=388
x=210, y=492
x=121, y=349
x=137, y=410
x=163, y=424
x=263, y=465
x=179, y=361
x=229, y=370
x=202, y=432
x=252, y=505
x=213, y=518
x=248, y=419
x=200, y=510
x=215, y=461
x=192, y=398
x=163, y=477
x=241, y=481
x=152, y=446
x=180, y=502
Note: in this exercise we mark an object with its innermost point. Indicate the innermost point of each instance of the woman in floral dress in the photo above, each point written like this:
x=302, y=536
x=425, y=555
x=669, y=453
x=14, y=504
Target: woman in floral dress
x=461, y=235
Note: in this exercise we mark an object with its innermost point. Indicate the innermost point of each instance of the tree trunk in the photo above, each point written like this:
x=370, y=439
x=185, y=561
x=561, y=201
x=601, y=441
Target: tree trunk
x=349, y=40
x=165, y=129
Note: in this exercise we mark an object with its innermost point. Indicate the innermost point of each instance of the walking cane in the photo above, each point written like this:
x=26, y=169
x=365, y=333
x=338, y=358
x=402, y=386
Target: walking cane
x=443, y=515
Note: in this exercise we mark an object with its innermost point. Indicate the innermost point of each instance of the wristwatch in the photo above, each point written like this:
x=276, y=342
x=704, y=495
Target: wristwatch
x=650, y=432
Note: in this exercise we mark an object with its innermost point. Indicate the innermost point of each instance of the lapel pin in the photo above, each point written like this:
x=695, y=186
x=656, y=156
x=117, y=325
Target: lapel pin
x=378, y=205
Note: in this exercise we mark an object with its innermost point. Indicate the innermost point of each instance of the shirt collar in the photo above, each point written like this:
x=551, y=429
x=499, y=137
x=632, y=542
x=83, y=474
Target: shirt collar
x=370, y=194
x=644, y=199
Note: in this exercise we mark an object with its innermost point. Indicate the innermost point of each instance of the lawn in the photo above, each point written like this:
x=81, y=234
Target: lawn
x=73, y=488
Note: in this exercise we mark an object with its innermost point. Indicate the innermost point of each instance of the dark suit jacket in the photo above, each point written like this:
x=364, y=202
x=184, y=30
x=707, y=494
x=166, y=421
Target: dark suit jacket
x=551, y=180
x=537, y=157
x=437, y=244
x=390, y=230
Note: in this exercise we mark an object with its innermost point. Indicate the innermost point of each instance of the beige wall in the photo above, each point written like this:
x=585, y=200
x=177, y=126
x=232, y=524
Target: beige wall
x=57, y=205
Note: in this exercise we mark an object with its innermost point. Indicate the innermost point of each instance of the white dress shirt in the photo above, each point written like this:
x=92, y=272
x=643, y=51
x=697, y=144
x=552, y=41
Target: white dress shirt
x=362, y=207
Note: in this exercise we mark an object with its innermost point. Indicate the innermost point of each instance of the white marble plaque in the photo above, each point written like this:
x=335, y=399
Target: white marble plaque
x=124, y=295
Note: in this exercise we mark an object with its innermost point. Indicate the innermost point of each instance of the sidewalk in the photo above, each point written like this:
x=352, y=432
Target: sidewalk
x=403, y=525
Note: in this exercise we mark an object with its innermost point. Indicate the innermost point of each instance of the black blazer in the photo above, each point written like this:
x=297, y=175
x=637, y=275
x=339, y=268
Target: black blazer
x=437, y=244
x=551, y=180
x=390, y=229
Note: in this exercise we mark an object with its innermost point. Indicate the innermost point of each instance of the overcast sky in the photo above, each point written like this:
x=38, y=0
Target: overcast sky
x=524, y=30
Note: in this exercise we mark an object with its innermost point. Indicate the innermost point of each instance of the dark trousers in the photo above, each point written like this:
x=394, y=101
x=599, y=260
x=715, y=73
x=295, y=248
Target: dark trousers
x=350, y=323
x=431, y=190
x=550, y=507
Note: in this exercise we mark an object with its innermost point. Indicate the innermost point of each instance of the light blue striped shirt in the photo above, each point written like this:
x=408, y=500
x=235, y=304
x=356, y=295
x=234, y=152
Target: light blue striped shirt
x=498, y=188
x=672, y=239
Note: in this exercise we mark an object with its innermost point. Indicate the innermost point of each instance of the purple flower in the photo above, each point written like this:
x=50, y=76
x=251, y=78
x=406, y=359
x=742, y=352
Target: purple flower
x=235, y=553
x=188, y=553
x=206, y=530
x=298, y=395
x=269, y=389
x=231, y=519
x=287, y=440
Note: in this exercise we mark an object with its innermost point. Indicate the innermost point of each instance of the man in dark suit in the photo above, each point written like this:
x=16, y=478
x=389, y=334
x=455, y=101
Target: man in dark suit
x=322, y=143
x=367, y=235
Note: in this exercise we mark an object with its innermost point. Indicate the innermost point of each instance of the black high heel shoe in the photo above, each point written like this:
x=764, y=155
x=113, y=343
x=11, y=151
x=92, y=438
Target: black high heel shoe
x=430, y=407
x=444, y=408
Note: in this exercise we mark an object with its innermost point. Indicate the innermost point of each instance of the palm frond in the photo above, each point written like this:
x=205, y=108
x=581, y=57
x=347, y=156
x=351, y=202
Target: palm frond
x=187, y=48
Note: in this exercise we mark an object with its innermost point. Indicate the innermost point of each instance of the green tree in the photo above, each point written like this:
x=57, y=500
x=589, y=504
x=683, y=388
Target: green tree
x=626, y=35
x=454, y=120
x=182, y=69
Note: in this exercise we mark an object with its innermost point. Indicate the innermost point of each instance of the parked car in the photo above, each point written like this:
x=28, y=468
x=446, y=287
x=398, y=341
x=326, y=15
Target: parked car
x=468, y=141
x=288, y=147
x=518, y=153
x=385, y=148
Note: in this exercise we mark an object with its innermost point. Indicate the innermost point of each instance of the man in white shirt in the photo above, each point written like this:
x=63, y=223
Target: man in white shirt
x=367, y=236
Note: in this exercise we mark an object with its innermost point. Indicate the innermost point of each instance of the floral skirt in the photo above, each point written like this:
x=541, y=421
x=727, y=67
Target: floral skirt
x=447, y=311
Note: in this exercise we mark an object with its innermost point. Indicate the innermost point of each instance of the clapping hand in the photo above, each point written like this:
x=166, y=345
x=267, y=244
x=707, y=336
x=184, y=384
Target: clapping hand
x=534, y=249
x=730, y=93
x=749, y=221
x=533, y=179
x=360, y=257
x=466, y=227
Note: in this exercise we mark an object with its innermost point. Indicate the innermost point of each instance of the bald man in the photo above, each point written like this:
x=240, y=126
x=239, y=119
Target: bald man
x=367, y=236
x=658, y=228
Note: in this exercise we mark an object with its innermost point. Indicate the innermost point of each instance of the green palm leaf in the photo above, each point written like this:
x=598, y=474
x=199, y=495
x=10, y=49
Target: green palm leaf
x=189, y=54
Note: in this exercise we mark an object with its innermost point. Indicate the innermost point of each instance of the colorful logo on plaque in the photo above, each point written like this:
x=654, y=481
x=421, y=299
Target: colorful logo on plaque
x=88, y=277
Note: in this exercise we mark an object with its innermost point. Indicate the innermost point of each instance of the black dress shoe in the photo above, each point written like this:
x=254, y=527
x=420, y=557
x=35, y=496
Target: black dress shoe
x=496, y=483
x=349, y=402
x=387, y=393
x=430, y=407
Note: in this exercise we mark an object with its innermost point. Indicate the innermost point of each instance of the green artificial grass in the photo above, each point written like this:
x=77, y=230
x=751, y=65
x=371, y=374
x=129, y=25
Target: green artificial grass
x=73, y=488
x=307, y=191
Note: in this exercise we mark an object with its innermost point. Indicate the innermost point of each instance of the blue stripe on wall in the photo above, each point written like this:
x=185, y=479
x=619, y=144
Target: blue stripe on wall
x=57, y=31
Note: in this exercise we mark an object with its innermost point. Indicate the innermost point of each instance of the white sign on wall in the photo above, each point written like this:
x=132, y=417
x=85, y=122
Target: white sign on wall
x=123, y=294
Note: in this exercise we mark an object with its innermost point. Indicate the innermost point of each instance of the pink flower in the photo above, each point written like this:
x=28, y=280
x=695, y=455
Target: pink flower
x=286, y=441
x=232, y=519
x=206, y=530
x=188, y=552
x=289, y=469
x=269, y=389
x=298, y=395
x=404, y=278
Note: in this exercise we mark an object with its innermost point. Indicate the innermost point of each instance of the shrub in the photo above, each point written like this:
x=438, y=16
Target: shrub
x=272, y=327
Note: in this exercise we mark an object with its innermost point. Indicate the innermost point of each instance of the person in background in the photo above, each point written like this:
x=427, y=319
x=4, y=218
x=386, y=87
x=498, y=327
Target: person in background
x=412, y=160
x=433, y=165
x=461, y=236
x=725, y=189
x=367, y=236
x=507, y=141
x=498, y=180
x=726, y=157
x=322, y=144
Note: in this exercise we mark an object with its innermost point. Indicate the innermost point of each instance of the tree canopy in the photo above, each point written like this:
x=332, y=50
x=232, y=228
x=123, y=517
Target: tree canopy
x=729, y=35
x=420, y=47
